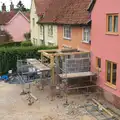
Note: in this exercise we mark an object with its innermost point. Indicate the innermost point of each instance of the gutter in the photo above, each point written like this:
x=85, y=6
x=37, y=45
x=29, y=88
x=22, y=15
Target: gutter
x=91, y=5
x=53, y=23
x=43, y=34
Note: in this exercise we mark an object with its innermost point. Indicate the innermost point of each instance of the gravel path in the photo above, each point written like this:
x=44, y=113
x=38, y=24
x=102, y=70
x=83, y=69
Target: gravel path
x=15, y=107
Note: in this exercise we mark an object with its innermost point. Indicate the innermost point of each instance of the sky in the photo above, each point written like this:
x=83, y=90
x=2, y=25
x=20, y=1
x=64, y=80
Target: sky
x=27, y=3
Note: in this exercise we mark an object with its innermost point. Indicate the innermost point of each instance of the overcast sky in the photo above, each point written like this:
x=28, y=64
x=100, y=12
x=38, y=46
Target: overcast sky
x=27, y=3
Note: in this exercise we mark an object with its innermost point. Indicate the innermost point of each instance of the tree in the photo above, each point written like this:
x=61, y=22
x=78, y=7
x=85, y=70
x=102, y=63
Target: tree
x=27, y=36
x=21, y=7
x=5, y=36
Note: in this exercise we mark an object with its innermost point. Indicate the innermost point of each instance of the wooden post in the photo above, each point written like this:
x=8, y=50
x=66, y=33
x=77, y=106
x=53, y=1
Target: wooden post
x=41, y=57
x=52, y=70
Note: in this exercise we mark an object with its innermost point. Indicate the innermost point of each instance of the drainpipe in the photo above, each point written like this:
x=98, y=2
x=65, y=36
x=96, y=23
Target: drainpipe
x=43, y=34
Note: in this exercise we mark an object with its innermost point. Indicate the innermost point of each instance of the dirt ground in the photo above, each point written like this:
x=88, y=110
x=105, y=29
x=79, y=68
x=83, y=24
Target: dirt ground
x=13, y=106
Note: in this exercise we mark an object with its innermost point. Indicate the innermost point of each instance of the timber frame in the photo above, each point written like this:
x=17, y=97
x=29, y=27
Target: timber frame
x=51, y=54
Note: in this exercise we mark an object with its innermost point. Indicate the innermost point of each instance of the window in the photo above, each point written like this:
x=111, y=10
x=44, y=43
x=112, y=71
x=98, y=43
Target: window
x=86, y=34
x=111, y=71
x=50, y=30
x=67, y=32
x=33, y=20
x=98, y=63
x=50, y=44
x=41, y=29
x=1, y=27
x=112, y=23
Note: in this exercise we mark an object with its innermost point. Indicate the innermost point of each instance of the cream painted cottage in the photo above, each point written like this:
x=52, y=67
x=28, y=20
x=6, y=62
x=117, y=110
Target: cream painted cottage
x=41, y=34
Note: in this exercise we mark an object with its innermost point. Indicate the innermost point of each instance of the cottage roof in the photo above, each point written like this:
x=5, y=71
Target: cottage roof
x=5, y=17
x=66, y=12
x=41, y=6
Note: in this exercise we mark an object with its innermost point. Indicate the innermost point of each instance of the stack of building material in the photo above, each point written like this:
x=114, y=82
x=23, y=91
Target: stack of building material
x=76, y=65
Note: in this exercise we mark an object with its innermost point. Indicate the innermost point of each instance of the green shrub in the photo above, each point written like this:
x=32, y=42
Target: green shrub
x=5, y=36
x=9, y=56
x=11, y=44
x=27, y=36
x=26, y=43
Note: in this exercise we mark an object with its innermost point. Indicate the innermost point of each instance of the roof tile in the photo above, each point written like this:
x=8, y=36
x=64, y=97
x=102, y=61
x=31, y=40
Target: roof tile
x=41, y=6
x=67, y=12
x=5, y=17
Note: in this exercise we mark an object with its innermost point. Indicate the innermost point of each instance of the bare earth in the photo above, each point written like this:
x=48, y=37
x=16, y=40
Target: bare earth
x=15, y=107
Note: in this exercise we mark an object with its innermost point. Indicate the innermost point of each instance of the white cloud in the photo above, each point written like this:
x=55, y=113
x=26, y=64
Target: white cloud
x=27, y=3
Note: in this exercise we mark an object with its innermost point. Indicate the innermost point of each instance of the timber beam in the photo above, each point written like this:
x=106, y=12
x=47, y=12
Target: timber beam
x=69, y=53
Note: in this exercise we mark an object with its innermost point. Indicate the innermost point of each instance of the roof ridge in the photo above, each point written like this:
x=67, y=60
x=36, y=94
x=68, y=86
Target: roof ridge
x=6, y=17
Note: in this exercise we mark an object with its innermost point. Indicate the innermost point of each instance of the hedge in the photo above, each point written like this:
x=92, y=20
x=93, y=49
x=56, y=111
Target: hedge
x=26, y=43
x=9, y=56
x=11, y=44
x=16, y=44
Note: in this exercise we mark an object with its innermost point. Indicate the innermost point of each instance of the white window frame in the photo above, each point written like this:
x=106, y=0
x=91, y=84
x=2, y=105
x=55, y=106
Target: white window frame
x=67, y=32
x=41, y=29
x=1, y=27
x=86, y=35
x=50, y=30
x=50, y=43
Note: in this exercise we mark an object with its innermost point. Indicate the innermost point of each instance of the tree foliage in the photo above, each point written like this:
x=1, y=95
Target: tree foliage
x=26, y=43
x=5, y=36
x=27, y=36
x=21, y=7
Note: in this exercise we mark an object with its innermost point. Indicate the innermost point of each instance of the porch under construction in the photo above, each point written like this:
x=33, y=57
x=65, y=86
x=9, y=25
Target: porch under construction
x=69, y=64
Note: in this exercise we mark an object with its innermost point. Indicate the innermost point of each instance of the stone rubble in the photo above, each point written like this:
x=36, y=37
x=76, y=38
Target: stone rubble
x=15, y=107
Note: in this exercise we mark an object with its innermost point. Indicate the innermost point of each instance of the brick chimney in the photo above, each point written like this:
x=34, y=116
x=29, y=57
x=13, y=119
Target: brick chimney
x=11, y=6
x=3, y=7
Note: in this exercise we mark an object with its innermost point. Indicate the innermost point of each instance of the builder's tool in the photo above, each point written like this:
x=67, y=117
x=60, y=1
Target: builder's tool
x=31, y=98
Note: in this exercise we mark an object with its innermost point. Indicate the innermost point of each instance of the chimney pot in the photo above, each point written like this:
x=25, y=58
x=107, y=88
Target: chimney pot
x=3, y=7
x=11, y=6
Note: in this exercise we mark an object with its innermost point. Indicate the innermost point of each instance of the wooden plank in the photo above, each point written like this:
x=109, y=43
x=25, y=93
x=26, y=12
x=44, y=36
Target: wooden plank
x=101, y=107
x=46, y=54
x=33, y=97
x=76, y=75
x=69, y=50
x=69, y=53
x=38, y=65
x=59, y=52
x=75, y=88
x=47, y=51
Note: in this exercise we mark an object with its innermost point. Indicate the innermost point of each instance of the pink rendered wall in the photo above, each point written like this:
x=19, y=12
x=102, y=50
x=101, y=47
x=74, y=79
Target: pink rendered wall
x=18, y=27
x=107, y=47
